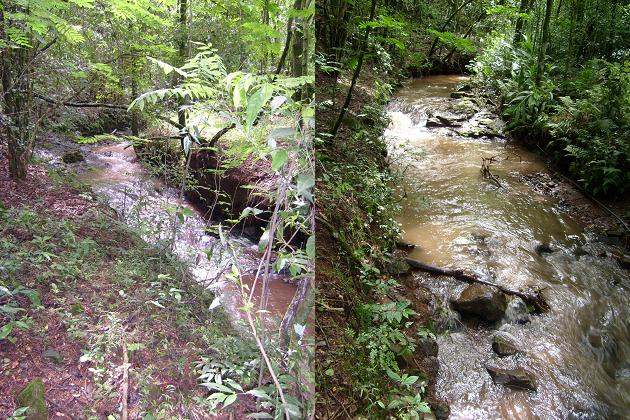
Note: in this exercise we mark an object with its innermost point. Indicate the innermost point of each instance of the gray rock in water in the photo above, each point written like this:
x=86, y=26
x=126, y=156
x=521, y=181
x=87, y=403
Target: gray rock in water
x=517, y=312
x=518, y=378
x=485, y=302
x=580, y=252
x=442, y=411
x=504, y=344
x=72, y=156
x=459, y=94
x=543, y=248
x=434, y=122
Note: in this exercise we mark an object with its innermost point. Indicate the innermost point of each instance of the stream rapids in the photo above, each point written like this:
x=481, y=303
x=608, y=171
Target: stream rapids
x=579, y=351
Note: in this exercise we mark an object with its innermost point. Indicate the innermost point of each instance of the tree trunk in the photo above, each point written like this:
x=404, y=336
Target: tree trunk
x=544, y=43
x=357, y=71
x=445, y=25
x=135, y=130
x=518, y=29
x=287, y=42
x=182, y=43
x=17, y=98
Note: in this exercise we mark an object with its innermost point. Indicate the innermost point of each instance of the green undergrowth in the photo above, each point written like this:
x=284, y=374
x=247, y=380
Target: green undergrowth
x=106, y=286
x=579, y=116
x=356, y=208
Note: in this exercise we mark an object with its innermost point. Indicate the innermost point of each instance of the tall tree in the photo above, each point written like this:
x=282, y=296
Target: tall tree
x=544, y=43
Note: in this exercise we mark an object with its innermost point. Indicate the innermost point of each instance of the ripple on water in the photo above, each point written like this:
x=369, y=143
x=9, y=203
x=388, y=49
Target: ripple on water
x=580, y=350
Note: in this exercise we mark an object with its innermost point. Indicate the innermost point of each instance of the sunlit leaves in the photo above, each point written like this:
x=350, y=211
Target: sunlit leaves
x=255, y=103
x=278, y=158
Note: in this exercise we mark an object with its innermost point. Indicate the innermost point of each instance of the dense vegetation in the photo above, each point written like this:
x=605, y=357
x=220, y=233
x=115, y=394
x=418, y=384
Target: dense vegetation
x=202, y=90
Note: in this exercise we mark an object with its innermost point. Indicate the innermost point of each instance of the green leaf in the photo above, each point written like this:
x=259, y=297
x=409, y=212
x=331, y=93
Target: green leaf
x=261, y=415
x=229, y=400
x=310, y=247
x=6, y=330
x=256, y=103
x=278, y=158
x=259, y=393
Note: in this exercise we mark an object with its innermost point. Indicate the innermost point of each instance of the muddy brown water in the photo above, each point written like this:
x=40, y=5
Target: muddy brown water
x=579, y=352
x=148, y=204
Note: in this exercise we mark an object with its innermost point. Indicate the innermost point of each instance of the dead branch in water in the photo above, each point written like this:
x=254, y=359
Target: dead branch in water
x=487, y=161
x=536, y=299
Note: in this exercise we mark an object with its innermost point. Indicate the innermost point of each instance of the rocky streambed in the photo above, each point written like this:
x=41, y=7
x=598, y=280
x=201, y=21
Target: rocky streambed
x=476, y=202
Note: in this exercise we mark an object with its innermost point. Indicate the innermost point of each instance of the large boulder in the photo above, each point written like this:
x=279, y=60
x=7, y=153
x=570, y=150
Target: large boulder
x=518, y=378
x=484, y=302
x=32, y=396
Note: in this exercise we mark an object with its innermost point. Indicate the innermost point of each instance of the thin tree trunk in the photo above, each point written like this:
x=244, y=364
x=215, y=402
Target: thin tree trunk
x=17, y=97
x=287, y=43
x=544, y=43
x=182, y=43
x=357, y=71
x=445, y=25
x=518, y=29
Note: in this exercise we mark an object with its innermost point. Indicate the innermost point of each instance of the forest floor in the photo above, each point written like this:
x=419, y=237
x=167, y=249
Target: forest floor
x=101, y=288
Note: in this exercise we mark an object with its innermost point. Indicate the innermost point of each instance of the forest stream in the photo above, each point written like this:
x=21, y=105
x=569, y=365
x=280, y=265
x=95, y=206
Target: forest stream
x=148, y=204
x=578, y=352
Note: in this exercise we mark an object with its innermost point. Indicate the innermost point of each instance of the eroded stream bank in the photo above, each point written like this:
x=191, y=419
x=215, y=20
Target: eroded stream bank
x=162, y=214
x=578, y=353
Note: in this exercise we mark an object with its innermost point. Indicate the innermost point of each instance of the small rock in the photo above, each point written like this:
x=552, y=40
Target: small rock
x=503, y=344
x=459, y=95
x=517, y=311
x=434, y=122
x=33, y=396
x=485, y=302
x=464, y=87
x=53, y=356
x=624, y=262
x=428, y=346
x=442, y=411
x=543, y=248
x=72, y=156
x=580, y=252
x=405, y=245
x=517, y=378
x=398, y=267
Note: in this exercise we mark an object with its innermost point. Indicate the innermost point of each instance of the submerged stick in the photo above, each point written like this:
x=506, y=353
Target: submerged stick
x=535, y=299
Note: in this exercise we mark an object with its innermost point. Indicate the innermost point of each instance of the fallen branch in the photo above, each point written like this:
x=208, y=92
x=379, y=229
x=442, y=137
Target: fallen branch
x=219, y=134
x=535, y=299
x=80, y=104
